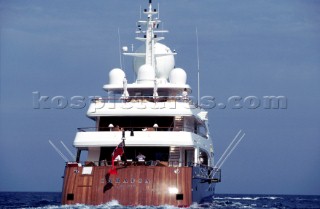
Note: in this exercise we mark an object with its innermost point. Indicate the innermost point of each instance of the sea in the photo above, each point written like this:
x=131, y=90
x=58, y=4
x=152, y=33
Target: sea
x=52, y=200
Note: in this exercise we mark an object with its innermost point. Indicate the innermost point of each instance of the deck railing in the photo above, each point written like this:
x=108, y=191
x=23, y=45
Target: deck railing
x=137, y=99
x=129, y=128
x=130, y=162
x=135, y=128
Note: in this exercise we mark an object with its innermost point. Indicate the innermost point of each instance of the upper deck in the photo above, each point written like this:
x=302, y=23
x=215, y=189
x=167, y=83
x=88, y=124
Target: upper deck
x=140, y=139
x=145, y=106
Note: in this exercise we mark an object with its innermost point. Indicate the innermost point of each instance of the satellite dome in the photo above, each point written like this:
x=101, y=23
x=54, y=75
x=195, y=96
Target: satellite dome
x=178, y=76
x=164, y=63
x=116, y=76
x=145, y=74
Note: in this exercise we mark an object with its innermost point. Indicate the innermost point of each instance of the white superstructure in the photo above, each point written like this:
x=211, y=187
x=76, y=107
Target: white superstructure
x=155, y=111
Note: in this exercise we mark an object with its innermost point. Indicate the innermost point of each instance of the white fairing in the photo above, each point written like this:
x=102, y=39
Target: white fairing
x=163, y=58
x=146, y=74
x=178, y=76
x=116, y=76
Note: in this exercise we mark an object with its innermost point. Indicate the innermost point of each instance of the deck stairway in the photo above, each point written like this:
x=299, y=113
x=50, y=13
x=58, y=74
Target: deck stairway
x=178, y=123
x=174, y=156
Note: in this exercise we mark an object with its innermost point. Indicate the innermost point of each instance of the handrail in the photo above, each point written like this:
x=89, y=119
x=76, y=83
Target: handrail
x=118, y=163
x=139, y=128
x=85, y=129
x=169, y=163
x=144, y=99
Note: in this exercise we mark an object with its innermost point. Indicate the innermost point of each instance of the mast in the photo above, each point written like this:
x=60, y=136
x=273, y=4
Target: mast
x=149, y=37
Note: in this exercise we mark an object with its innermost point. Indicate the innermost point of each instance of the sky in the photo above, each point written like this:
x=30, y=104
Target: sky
x=248, y=50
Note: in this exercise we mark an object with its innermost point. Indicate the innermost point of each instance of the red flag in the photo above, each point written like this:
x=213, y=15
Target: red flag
x=119, y=150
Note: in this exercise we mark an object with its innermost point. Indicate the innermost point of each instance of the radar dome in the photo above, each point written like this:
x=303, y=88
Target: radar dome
x=145, y=74
x=164, y=63
x=178, y=76
x=116, y=76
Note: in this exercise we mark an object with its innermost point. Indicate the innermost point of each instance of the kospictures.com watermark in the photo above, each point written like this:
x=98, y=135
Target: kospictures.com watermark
x=206, y=102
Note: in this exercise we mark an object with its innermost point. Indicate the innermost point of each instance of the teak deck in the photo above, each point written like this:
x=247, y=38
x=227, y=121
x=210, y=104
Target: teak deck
x=134, y=185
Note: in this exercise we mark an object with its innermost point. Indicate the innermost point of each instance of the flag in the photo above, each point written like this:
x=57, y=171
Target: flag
x=119, y=150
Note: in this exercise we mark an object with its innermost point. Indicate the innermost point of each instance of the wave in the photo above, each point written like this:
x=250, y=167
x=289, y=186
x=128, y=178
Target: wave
x=248, y=198
x=114, y=204
x=227, y=201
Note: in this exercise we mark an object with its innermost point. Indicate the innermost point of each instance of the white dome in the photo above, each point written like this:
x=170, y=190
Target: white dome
x=116, y=76
x=164, y=63
x=178, y=76
x=145, y=74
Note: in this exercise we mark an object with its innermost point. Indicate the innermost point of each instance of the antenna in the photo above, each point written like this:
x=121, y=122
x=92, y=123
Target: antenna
x=120, y=56
x=198, y=66
x=158, y=10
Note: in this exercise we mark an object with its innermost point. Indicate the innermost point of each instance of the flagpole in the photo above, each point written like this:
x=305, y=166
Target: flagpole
x=118, y=151
x=124, y=146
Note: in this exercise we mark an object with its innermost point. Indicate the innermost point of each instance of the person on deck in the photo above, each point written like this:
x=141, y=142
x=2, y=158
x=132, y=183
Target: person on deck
x=185, y=94
x=140, y=157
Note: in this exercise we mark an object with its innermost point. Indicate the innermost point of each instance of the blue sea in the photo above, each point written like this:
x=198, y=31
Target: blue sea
x=51, y=200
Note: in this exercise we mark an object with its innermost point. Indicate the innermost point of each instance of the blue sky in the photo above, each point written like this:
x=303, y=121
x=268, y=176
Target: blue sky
x=247, y=48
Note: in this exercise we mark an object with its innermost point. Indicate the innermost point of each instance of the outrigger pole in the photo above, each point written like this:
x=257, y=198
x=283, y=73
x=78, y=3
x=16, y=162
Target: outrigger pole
x=229, y=150
x=59, y=152
x=68, y=150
